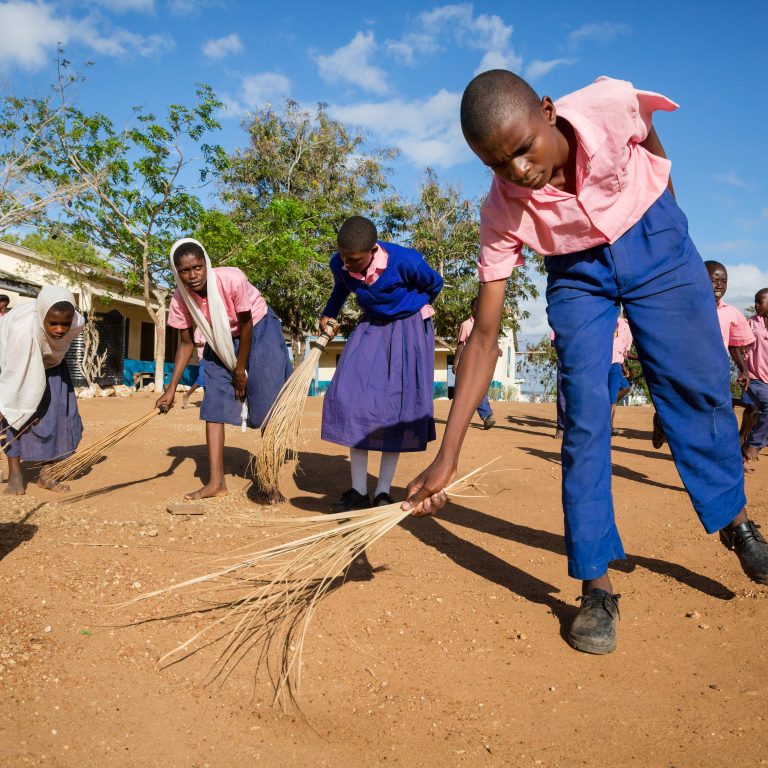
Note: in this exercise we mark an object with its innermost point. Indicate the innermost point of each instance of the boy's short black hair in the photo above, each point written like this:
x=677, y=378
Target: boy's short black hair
x=188, y=249
x=62, y=306
x=713, y=265
x=491, y=98
x=759, y=295
x=357, y=234
x=4, y=299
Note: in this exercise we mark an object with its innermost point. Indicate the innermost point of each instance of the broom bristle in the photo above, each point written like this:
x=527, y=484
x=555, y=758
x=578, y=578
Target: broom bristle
x=79, y=462
x=282, y=425
x=279, y=588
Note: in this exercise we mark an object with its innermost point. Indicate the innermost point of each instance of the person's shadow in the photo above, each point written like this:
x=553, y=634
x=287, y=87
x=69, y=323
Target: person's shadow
x=15, y=533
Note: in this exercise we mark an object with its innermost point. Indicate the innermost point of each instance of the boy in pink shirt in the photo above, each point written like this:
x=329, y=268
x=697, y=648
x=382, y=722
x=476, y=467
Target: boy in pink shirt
x=585, y=181
x=756, y=392
x=618, y=383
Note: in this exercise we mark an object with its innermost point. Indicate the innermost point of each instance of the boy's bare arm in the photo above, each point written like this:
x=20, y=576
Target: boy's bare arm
x=653, y=144
x=737, y=355
x=457, y=356
x=478, y=360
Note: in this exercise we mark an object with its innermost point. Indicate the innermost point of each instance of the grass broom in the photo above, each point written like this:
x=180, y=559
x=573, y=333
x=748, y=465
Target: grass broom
x=278, y=589
x=282, y=424
x=79, y=462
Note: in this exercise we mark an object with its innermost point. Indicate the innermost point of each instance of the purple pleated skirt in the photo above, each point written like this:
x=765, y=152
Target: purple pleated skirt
x=268, y=368
x=58, y=429
x=380, y=398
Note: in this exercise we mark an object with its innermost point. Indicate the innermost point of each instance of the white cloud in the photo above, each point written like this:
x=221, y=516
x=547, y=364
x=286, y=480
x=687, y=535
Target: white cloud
x=536, y=326
x=190, y=7
x=599, y=32
x=124, y=6
x=426, y=130
x=457, y=23
x=538, y=68
x=744, y=280
x=30, y=32
x=350, y=64
x=221, y=47
x=730, y=179
x=256, y=92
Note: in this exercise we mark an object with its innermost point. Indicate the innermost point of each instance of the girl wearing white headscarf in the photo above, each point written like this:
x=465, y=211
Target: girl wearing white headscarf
x=38, y=409
x=246, y=359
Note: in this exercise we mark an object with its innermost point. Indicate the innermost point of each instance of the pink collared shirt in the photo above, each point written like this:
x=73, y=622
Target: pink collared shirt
x=375, y=268
x=622, y=341
x=735, y=329
x=757, y=357
x=617, y=181
x=238, y=296
x=465, y=329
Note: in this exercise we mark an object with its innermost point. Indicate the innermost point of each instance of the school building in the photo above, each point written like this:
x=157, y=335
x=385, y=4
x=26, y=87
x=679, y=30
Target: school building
x=504, y=386
x=128, y=333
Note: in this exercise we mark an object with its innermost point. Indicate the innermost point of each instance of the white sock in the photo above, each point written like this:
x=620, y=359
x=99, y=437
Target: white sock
x=386, y=472
x=359, y=461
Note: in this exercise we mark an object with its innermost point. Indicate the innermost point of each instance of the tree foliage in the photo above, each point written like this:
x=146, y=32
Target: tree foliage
x=288, y=192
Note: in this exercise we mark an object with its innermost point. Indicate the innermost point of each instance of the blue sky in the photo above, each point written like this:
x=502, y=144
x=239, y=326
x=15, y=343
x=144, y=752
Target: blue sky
x=397, y=69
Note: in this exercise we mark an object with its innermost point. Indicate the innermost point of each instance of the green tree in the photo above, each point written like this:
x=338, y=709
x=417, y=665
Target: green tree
x=540, y=368
x=301, y=175
x=138, y=203
x=445, y=227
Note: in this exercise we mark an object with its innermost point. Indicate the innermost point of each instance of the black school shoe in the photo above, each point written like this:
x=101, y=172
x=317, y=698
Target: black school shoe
x=351, y=501
x=594, y=628
x=751, y=549
x=382, y=500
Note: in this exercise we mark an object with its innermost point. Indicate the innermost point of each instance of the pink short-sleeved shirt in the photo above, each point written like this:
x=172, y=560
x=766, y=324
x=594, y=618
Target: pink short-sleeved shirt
x=734, y=327
x=375, y=268
x=465, y=329
x=757, y=357
x=236, y=292
x=617, y=181
x=622, y=341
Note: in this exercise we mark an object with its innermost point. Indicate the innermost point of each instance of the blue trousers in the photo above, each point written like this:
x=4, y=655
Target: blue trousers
x=757, y=397
x=484, y=409
x=616, y=381
x=655, y=271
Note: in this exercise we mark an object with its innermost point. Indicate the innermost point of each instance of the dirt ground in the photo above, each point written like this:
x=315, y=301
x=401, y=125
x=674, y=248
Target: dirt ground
x=451, y=653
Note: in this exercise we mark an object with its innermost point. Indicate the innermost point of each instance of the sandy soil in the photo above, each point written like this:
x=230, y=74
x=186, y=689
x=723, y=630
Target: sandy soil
x=450, y=654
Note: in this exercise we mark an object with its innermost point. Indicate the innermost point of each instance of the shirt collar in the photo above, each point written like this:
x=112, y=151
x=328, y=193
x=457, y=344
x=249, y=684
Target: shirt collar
x=589, y=139
x=375, y=268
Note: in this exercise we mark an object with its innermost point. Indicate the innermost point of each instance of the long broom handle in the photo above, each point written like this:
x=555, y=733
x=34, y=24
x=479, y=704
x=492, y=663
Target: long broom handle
x=330, y=331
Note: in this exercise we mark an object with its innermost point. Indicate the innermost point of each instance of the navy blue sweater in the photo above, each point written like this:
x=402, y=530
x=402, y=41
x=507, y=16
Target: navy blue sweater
x=401, y=290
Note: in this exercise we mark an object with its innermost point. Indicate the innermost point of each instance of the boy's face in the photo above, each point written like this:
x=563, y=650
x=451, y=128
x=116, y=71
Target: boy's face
x=761, y=305
x=357, y=261
x=527, y=148
x=719, y=278
x=3, y=307
x=58, y=322
x=192, y=272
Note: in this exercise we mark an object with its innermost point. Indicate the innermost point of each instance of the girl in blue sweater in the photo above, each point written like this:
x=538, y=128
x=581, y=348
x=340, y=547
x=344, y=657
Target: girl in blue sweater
x=380, y=398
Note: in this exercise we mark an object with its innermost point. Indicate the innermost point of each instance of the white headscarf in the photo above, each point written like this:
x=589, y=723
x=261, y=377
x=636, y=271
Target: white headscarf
x=217, y=332
x=26, y=350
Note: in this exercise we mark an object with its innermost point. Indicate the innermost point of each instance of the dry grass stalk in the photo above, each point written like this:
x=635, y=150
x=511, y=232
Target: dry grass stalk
x=277, y=591
x=281, y=427
x=79, y=462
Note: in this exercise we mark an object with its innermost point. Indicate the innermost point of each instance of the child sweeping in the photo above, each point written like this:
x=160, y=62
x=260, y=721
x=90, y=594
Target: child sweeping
x=245, y=357
x=585, y=181
x=39, y=420
x=380, y=398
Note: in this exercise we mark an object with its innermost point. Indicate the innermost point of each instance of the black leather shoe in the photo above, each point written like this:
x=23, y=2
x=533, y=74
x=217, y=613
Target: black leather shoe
x=594, y=628
x=351, y=501
x=489, y=422
x=382, y=499
x=657, y=437
x=751, y=549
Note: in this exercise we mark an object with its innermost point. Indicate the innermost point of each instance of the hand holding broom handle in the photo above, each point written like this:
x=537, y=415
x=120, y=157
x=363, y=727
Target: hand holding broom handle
x=331, y=328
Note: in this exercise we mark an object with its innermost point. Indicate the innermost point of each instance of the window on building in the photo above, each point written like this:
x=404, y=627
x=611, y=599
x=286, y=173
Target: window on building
x=147, y=351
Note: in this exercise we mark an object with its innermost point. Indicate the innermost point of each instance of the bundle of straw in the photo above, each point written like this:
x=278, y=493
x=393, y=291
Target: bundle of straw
x=280, y=430
x=79, y=462
x=278, y=589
